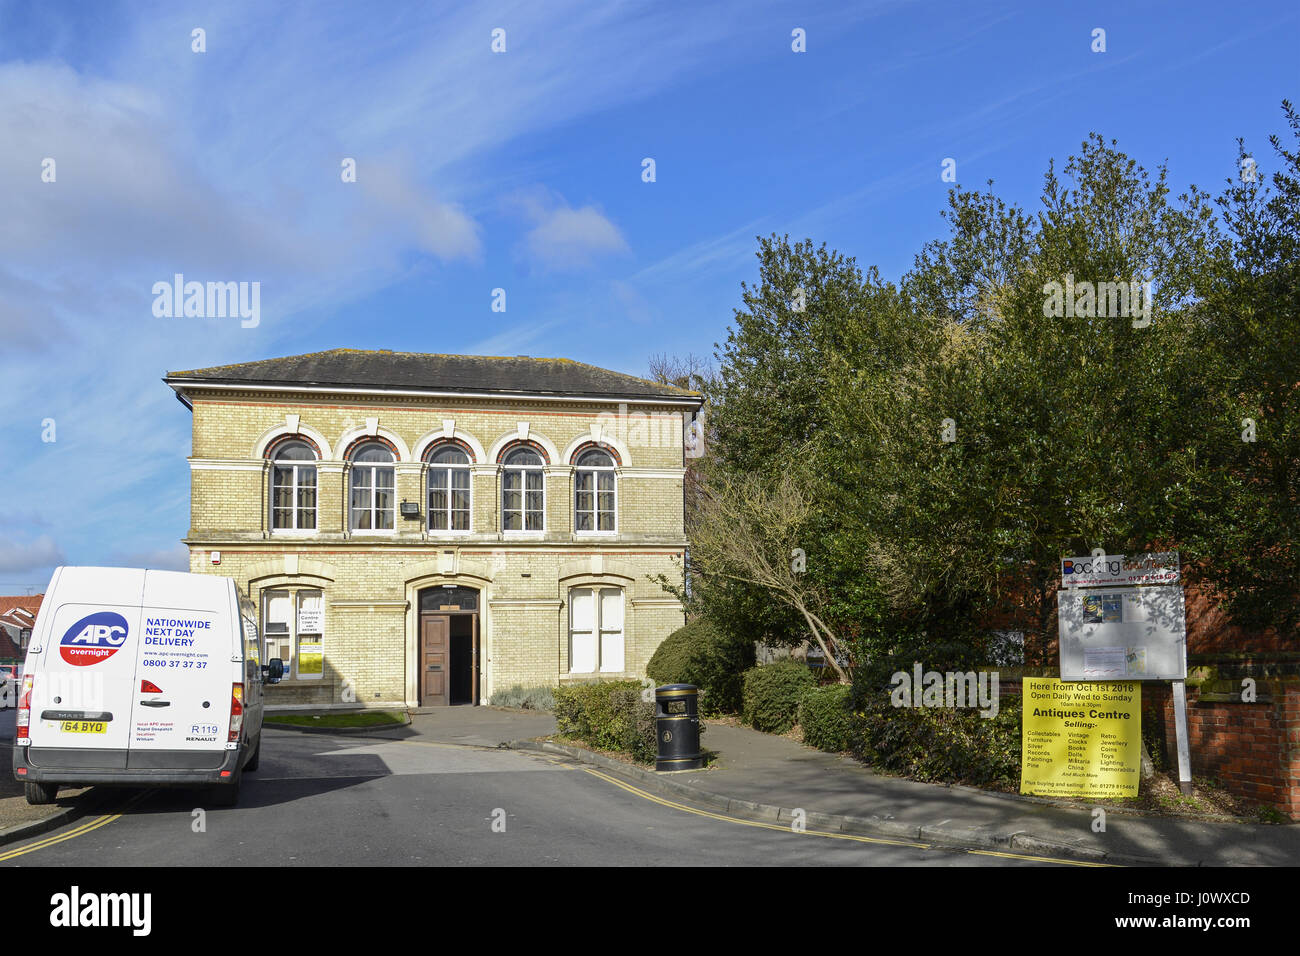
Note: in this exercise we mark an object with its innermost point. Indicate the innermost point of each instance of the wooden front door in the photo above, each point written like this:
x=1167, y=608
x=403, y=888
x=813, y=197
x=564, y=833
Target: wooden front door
x=434, y=659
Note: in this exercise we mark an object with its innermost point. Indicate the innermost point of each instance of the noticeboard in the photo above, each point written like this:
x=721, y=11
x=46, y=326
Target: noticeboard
x=1123, y=634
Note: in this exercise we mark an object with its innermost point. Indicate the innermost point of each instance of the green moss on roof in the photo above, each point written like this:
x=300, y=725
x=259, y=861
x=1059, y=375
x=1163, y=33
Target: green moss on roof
x=384, y=368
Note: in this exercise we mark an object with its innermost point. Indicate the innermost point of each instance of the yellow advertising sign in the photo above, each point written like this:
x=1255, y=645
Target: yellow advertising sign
x=1081, y=739
x=311, y=658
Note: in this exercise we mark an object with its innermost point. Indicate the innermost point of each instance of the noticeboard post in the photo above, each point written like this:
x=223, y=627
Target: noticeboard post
x=1122, y=618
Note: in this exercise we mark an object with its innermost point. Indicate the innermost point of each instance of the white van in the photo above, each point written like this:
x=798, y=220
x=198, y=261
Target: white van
x=141, y=678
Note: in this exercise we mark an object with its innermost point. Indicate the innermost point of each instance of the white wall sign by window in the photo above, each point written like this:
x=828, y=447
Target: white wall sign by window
x=311, y=617
x=1123, y=634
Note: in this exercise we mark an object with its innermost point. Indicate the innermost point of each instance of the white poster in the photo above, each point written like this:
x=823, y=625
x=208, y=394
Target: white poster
x=311, y=614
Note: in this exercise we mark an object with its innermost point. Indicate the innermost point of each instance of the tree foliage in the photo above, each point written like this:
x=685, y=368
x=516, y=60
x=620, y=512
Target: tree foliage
x=937, y=446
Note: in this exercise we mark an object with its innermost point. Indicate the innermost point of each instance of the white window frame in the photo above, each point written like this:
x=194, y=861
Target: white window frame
x=522, y=471
x=297, y=635
x=295, y=465
x=429, y=469
x=597, y=471
x=598, y=630
x=294, y=594
x=373, y=467
x=267, y=636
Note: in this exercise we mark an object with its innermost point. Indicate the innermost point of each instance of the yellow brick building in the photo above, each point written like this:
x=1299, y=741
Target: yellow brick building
x=429, y=529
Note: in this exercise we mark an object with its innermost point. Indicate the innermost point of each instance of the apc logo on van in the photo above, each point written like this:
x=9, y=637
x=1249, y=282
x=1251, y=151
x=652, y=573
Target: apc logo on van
x=93, y=639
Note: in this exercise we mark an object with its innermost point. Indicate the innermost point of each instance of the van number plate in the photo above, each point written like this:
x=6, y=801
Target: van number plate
x=84, y=727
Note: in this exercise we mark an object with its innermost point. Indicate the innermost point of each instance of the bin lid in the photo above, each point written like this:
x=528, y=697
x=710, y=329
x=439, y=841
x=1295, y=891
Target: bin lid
x=677, y=690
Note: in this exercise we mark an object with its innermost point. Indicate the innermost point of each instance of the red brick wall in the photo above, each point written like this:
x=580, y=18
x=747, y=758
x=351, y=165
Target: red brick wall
x=1253, y=749
x=1208, y=630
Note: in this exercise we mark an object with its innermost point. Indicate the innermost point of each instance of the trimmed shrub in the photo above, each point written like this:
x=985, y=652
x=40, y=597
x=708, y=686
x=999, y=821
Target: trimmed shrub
x=525, y=698
x=826, y=717
x=702, y=654
x=772, y=692
x=939, y=744
x=671, y=661
x=609, y=716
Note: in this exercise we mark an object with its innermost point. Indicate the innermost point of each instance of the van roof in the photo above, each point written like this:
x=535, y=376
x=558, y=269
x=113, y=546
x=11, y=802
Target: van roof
x=140, y=586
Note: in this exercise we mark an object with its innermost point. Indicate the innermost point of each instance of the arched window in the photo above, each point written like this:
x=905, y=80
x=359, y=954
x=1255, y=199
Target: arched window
x=374, y=479
x=293, y=486
x=449, y=488
x=594, y=499
x=523, y=490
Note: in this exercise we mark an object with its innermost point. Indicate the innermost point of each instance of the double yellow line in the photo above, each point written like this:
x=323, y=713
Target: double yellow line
x=827, y=835
x=76, y=831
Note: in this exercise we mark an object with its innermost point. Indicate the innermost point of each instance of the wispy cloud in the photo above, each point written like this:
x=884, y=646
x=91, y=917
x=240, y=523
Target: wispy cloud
x=509, y=341
x=563, y=238
x=23, y=557
x=413, y=211
x=174, y=558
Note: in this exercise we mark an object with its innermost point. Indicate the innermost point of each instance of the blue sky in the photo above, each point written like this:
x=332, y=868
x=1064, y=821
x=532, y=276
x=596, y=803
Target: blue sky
x=519, y=170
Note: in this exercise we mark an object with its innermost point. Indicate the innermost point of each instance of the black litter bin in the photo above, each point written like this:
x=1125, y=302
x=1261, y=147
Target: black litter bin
x=677, y=725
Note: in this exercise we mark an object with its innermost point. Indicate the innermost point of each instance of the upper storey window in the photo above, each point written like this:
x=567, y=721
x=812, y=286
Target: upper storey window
x=594, y=495
x=523, y=490
x=449, y=488
x=374, y=480
x=293, y=486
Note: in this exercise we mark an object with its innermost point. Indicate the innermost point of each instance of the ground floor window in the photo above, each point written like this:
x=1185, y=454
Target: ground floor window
x=596, y=640
x=293, y=628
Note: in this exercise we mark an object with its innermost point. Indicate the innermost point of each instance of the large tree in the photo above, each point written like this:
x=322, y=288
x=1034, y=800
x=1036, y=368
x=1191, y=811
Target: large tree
x=1049, y=406
x=1119, y=370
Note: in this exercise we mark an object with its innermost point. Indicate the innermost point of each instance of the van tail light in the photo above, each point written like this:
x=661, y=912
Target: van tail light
x=236, y=712
x=24, y=707
x=149, y=687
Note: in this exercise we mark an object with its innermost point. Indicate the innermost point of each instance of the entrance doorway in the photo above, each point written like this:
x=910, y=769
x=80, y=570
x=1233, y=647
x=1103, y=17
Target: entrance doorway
x=449, y=646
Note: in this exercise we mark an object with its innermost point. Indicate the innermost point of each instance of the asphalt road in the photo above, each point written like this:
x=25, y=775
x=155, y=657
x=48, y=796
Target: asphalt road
x=334, y=801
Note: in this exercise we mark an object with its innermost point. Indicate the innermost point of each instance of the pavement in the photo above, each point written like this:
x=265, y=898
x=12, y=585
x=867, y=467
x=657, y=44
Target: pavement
x=775, y=779
x=772, y=777
x=761, y=776
x=18, y=818
x=767, y=777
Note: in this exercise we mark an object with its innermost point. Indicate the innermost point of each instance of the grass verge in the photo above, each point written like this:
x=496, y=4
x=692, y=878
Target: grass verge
x=365, y=718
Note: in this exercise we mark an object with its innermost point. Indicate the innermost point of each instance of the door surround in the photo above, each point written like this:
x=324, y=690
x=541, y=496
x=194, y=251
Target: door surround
x=434, y=658
x=458, y=572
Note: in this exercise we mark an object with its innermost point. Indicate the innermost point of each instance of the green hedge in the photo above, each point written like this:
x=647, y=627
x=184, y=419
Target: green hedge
x=826, y=717
x=703, y=655
x=939, y=744
x=608, y=716
x=771, y=694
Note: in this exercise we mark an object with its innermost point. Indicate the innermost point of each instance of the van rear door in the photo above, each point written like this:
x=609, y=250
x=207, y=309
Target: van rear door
x=84, y=671
x=187, y=652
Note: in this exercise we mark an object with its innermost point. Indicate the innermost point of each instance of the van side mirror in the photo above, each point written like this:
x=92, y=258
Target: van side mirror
x=273, y=671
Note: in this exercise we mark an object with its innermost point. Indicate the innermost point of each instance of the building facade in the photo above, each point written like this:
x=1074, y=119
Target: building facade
x=428, y=529
x=17, y=618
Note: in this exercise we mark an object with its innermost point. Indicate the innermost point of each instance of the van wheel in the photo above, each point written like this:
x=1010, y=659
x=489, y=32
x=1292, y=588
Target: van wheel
x=254, y=760
x=40, y=794
x=224, y=794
